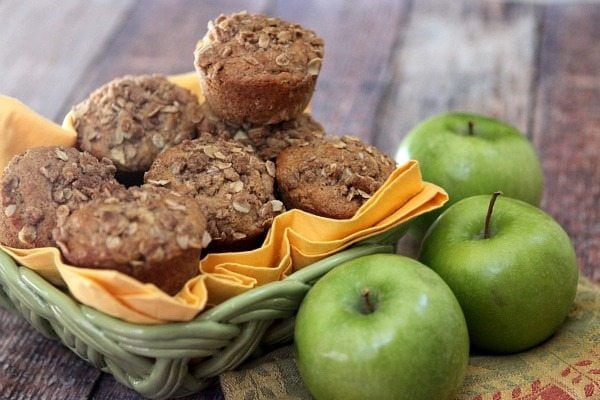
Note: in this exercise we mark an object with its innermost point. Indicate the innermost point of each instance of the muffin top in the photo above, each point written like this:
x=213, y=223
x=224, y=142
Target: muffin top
x=131, y=119
x=46, y=181
x=251, y=46
x=267, y=140
x=332, y=177
x=234, y=188
x=136, y=231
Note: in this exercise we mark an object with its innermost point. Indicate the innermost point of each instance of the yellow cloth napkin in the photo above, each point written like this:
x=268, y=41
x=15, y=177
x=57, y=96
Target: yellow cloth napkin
x=21, y=128
x=295, y=240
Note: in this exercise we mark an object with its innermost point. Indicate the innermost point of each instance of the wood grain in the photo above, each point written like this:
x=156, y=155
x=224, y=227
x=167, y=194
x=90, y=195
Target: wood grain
x=360, y=37
x=33, y=367
x=567, y=126
x=460, y=56
x=158, y=37
x=48, y=45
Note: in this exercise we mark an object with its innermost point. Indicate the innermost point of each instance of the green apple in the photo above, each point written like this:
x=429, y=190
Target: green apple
x=470, y=154
x=381, y=326
x=511, y=266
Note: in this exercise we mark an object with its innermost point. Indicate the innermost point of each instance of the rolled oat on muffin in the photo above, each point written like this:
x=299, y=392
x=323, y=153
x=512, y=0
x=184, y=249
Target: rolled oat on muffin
x=235, y=189
x=149, y=233
x=332, y=177
x=267, y=140
x=46, y=181
x=257, y=69
x=130, y=120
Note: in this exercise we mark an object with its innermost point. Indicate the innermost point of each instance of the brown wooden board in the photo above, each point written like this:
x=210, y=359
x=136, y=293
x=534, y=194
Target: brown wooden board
x=460, y=56
x=33, y=367
x=360, y=37
x=46, y=48
x=567, y=126
x=158, y=37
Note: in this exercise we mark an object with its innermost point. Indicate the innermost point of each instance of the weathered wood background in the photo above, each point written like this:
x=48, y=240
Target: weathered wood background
x=388, y=65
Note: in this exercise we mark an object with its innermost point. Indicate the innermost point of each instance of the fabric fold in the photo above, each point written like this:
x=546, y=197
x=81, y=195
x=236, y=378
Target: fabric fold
x=22, y=128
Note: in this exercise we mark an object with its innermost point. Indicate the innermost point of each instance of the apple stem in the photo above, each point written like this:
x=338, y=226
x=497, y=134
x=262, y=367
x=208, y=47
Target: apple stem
x=488, y=216
x=368, y=306
x=471, y=128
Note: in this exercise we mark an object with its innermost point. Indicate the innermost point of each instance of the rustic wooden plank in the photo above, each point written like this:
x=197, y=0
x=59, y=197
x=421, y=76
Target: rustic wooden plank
x=359, y=41
x=33, y=367
x=460, y=56
x=47, y=45
x=567, y=125
x=159, y=37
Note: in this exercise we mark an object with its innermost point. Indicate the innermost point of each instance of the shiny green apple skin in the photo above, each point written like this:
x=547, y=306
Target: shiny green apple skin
x=495, y=157
x=414, y=345
x=515, y=287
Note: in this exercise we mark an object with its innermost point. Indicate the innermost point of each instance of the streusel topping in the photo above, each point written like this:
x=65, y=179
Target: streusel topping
x=259, y=44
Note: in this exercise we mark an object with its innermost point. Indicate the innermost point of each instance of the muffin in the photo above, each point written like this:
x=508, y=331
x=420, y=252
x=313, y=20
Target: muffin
x=148, y=233
x=44, y=181
x=130, y=120
x=267, y=140
x=257, y=69
x=235, y=189
x=331, y=177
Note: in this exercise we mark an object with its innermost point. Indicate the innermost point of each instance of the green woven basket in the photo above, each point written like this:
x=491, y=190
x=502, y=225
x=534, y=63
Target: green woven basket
x=174, y=359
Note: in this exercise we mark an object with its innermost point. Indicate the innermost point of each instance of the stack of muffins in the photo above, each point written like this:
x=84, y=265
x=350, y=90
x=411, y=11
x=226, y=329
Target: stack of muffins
x=157, y=177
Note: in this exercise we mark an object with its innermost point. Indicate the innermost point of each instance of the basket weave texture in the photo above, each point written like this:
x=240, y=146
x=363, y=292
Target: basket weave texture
x=176, y=359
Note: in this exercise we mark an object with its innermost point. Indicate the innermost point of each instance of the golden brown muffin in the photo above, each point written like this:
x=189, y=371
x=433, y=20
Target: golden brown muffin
x=257, y=69
x=267, y=140
x=131, y=119
x=332, y=177
x=149, y=233
x=232, y=185
x=44, y=181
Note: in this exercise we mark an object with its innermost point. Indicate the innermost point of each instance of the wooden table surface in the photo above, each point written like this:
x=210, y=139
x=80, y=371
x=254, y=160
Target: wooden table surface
x=388, y=65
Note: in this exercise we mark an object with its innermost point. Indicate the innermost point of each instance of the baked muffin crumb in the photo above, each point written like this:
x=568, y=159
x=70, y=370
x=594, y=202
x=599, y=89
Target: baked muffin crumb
x=235, y=189
x=149, y=233
x=44, y=181
x=266, y=140
x=130, y=120
x=332, y=177
x=258, y=69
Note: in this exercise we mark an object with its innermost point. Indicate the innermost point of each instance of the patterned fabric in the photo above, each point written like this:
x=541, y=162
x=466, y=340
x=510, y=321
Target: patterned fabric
x=566, y=367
